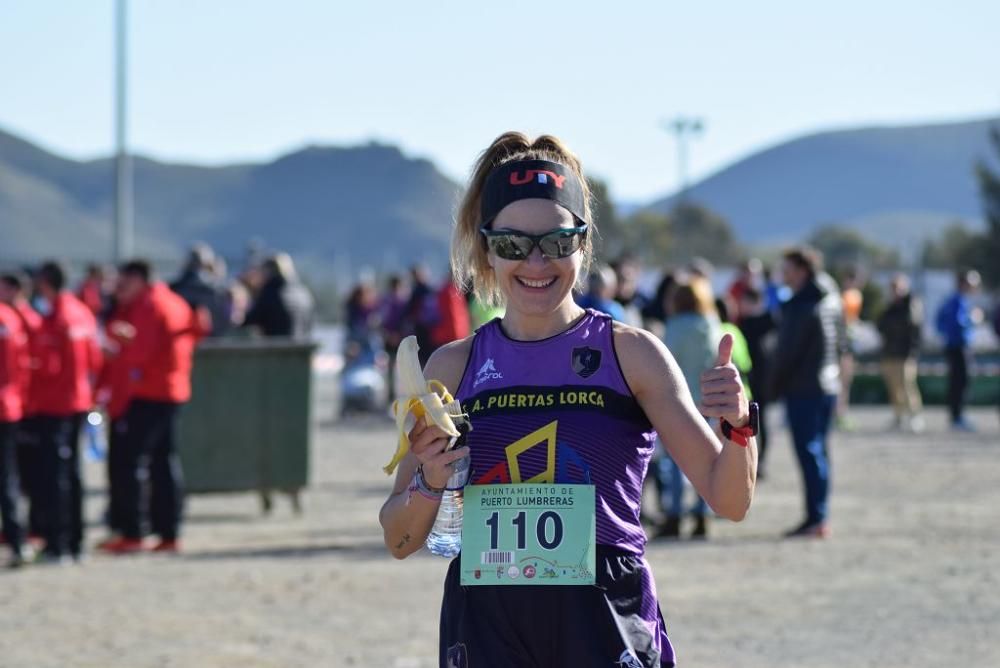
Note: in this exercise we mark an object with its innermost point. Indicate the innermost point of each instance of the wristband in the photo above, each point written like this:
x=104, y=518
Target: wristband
x=424, y=488
x=741, y=435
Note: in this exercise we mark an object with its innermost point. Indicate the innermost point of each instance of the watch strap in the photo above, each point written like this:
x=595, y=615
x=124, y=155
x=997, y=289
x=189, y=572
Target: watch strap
x=742, y=435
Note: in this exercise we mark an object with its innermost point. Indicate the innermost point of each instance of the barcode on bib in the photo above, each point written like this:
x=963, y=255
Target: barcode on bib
x=497, y=557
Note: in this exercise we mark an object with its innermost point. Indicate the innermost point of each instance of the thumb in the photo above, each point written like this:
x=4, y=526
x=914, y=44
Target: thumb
x=725, y=350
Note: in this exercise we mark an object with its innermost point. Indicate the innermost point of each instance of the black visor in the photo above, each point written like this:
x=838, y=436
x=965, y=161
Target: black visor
x=531, y=179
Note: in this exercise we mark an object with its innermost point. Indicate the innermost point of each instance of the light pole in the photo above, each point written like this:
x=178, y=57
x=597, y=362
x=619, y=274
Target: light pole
x=683, y=129
x=123, y=233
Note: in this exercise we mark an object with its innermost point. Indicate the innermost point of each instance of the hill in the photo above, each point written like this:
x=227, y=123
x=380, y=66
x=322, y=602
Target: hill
x=360, y=204
x=898, y=184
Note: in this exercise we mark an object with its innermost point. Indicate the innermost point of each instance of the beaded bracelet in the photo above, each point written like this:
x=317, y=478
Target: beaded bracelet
x=424, y=488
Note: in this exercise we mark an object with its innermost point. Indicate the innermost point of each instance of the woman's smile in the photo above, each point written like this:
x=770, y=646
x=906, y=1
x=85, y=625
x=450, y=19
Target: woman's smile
x=535, y=284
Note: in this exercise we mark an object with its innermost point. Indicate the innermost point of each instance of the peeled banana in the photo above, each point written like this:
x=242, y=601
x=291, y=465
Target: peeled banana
x=418, y=398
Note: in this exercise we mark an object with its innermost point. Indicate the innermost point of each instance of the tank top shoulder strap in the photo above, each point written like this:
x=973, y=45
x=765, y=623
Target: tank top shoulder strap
x=485, y=331
x=607, y=333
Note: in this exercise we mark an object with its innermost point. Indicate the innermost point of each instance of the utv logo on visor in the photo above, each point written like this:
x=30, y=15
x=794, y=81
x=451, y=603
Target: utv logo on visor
x=586, y=361
x=540, y=175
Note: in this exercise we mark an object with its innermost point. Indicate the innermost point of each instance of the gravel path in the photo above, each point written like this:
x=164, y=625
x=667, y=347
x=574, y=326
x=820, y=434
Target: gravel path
x=908, y=579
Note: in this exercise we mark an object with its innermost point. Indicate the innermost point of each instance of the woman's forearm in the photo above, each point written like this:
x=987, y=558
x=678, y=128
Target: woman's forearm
x=407, y=518
x=734, y=473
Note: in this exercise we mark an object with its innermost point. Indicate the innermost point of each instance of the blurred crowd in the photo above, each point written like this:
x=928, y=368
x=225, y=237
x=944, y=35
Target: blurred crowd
x=796, y=330
x=122, y=345
x=376, y=323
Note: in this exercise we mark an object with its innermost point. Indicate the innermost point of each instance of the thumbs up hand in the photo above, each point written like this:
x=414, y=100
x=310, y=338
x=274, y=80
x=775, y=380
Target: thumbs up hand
x=722, y=393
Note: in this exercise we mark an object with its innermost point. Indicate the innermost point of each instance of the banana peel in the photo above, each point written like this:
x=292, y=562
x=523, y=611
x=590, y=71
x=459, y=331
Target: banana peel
x=416, y=399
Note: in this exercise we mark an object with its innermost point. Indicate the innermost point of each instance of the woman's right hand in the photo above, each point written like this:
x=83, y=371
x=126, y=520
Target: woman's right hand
x=428, y=446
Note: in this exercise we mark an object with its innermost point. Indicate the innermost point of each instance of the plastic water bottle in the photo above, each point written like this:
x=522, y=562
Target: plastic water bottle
x=445, y=539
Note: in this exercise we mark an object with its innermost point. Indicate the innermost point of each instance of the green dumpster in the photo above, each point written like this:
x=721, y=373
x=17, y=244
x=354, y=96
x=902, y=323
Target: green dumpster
x=248, y=425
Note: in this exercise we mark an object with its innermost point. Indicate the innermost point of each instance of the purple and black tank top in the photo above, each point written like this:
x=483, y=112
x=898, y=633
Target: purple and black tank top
x=559, y=411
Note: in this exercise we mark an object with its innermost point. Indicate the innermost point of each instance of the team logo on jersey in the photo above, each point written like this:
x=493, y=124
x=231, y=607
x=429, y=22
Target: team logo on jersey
x=458, y=656
x=586, y=361
x=488, y=371
x=628, y=660
x=561, y=463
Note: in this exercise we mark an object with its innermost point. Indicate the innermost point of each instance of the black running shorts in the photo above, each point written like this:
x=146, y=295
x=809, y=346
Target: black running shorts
x=616, y=623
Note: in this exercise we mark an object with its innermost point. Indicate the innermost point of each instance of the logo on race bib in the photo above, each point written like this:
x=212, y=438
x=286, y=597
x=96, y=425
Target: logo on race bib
x=586, y=361
x=487, y=372
x=513, y=572
x=529, y=572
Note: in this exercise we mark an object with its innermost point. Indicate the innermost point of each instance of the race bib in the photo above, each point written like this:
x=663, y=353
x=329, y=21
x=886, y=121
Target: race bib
x=528, y=534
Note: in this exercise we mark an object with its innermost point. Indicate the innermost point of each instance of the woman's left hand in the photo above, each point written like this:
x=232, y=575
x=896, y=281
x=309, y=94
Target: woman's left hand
x=722, y=393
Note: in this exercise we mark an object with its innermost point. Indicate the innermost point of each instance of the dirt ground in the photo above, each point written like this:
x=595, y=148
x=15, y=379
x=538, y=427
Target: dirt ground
x=909, y=578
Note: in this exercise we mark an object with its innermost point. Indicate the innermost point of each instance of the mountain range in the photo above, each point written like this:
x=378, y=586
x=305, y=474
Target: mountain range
x=340, y=209
x=898, y=185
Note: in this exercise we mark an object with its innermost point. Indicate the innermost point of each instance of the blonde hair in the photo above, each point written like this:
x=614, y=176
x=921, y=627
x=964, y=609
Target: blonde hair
x=469, y=254
x=693, y=296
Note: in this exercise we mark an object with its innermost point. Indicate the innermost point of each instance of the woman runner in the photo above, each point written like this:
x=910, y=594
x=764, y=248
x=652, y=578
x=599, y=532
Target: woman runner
x=565, y=397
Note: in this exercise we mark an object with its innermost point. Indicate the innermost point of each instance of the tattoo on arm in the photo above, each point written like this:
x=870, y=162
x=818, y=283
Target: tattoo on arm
x=404, y=541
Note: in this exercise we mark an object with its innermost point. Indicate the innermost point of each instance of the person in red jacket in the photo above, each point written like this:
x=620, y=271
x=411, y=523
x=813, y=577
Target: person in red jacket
x=13, y=288
x=13, y=365
x=67, y=359
x=113, y=392
x=454, y=322
x=158, y=361
x=92, y=292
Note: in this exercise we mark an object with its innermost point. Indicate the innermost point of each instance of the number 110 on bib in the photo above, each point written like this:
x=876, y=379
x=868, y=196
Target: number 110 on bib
x=548, y=529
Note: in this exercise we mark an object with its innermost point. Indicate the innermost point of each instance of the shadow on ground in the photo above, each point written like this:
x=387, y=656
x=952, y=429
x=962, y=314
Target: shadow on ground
x=352, y=551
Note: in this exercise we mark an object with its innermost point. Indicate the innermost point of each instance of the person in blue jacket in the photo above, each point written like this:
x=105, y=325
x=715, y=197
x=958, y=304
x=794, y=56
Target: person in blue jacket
x=956, y=320
x=602, y=284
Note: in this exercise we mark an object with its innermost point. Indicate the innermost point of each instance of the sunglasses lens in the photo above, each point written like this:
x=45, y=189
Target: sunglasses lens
x=510, y=246
x=560, y=244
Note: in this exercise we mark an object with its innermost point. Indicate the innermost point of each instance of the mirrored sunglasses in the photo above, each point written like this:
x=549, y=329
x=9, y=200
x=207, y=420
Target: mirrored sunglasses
x=512, y=245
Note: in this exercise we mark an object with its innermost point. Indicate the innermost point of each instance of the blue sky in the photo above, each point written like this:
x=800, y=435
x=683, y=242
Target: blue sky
x=227, y=80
